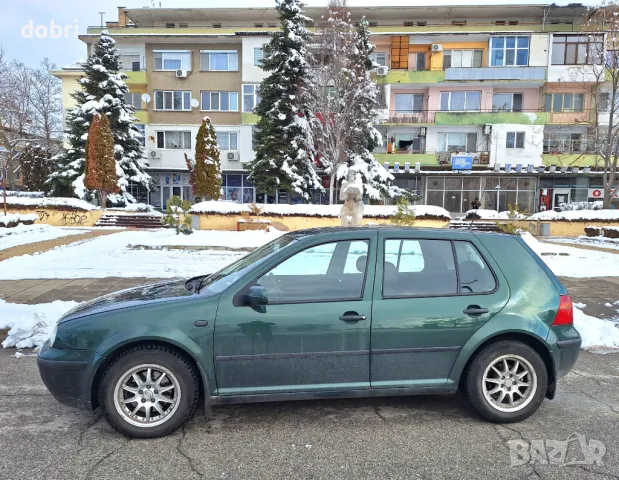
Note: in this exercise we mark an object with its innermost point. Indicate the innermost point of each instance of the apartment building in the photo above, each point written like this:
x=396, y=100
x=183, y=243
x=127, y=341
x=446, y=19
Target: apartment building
x=493, y=103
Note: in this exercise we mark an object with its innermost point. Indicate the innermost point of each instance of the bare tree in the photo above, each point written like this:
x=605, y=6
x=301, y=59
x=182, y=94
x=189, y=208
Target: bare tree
x=46, y=98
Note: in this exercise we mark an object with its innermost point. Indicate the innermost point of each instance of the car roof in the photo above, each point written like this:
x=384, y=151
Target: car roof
x=376, y=228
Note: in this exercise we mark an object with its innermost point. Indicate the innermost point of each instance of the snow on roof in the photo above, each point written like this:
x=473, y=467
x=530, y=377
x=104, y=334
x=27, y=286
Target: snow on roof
x=578, y=215
x=308, y=210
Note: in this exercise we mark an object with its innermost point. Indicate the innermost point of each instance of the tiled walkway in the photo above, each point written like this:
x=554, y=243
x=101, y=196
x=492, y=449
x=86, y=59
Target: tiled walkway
x=39, y=247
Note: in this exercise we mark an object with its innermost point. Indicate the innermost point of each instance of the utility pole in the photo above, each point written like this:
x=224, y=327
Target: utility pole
x=3, y=152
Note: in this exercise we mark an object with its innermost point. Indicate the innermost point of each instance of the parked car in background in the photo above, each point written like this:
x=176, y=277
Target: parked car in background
x=324, y=313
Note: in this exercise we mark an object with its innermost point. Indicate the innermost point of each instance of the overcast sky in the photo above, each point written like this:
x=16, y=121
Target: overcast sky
x=18, y=14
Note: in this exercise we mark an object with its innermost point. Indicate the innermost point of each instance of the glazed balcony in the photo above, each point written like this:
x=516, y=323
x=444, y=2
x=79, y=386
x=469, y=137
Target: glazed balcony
x=480, y=117
x=525, y=74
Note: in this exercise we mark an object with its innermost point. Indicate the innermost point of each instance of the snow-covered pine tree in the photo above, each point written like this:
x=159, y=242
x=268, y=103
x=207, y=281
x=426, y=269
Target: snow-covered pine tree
x=284, y=146
x=100, y=169
x=207, y=166
x=103, y=91
x=35, y=166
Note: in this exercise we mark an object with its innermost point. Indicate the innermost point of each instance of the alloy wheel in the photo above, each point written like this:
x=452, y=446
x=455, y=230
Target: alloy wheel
x=509, y=383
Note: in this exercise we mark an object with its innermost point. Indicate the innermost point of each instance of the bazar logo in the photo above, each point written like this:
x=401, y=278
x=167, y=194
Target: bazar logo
x=53, y=30
x=575, y=450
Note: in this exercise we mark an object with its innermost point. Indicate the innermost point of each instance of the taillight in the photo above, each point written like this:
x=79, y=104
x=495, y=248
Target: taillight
x=565, y=315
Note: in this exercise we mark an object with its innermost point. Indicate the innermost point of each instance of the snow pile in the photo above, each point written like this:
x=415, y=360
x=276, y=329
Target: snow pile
x=597, y=205
x=15, y=193
x=209, y=238
x=30, y=325
x=308, y=210
x=23, y=234
x=578, y=215
x=491, y=215
x=595, y=332
x=13, y=219
x=58, y=203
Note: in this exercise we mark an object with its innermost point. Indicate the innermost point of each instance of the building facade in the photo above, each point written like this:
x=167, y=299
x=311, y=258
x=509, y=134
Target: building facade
x=508, y=91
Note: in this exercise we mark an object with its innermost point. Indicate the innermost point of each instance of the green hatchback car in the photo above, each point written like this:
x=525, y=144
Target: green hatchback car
x=324, y=313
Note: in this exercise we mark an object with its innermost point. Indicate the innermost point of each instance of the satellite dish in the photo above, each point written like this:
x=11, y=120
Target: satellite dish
x=195, y=103
x=146, y=98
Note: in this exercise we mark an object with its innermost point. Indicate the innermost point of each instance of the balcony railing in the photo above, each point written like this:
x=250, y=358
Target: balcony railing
x=527, y=74
x=478, y=117
x=558, y=146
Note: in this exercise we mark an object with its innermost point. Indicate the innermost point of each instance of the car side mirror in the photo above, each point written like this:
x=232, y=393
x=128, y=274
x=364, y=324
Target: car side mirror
x=257, y=296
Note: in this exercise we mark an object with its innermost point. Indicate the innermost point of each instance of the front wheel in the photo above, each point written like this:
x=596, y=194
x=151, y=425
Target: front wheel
x=506, y=382
x=148, y=391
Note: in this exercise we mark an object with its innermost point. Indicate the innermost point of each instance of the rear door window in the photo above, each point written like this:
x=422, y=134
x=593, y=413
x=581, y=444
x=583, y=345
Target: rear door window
x=475, y=274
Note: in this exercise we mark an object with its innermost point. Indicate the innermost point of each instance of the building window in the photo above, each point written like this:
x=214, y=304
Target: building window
x=460, y=101
x=258, y=56
x=228, y=140
x=506, y=51
x=409, y=102
x=134, y=99
x=142, y=129
x=418, y=61
x=379, y=58
x=457, y=142
x=220, y=101
x=564, y=102
x=514, y=140
x=174, y=140
x=565, y=143
x=399, y=52
x=173, y=100
x=577, y=50
x=462, y=58
x=169, y=60
x=507, y=102
x=237, y=188
x=130, y=62
x=219, y=61
x=250, y=97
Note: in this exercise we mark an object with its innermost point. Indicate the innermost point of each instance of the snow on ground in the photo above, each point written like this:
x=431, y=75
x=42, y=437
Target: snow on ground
x=111, y=256
x=50, y=202
x=23, y=234
x=605, y=242
x=596, y=333
x=212, y=238
x=17, y=217
x=492, y=214
x=577, y=215
x=574, y=262
x=30, y=325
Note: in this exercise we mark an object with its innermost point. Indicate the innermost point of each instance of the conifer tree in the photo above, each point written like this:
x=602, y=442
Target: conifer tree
x=284, y=146
x=205, y=174
x=100, y=169
x=103, y=92
x=35, y=166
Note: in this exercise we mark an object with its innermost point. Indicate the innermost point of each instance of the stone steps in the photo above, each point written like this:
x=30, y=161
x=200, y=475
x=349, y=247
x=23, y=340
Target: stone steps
x=129, y=221
x=475, y=225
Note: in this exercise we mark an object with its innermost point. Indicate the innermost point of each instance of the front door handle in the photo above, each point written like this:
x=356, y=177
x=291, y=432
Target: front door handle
x=352, y=317
x=475, y=310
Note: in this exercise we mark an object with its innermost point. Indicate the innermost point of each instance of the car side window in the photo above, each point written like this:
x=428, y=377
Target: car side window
x=327, y=272
x=419, y=268
x=475, y=274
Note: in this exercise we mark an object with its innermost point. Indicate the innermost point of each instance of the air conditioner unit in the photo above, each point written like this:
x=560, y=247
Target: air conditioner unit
x=437, y=47
x=155, y=155
x=181, y=74
x=382, y=71
x=423, y=131
x=487, y=129
x=233, y=156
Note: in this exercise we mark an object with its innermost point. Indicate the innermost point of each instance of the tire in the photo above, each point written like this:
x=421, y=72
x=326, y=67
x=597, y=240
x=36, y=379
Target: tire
x=170, y=398
x=484, y=384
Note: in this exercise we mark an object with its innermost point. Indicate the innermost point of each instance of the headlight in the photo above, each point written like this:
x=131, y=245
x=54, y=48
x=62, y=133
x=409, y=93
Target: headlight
x=52, y=337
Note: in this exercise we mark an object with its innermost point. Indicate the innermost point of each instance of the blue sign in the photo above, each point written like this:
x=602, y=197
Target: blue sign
x=462, y=162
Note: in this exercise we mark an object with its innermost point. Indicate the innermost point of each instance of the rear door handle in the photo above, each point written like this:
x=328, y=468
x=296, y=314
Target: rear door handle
x=475, y=310
x=352, y=318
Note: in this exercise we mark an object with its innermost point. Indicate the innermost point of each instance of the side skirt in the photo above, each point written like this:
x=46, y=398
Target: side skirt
x=362, y=393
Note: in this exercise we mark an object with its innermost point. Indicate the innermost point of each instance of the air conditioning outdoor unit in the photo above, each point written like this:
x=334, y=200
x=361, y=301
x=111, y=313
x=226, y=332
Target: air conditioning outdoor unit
x=487, y=129
x=382, y=71
x=233, y=156
x=181, y=74
x=422, y=131
x=155, y=155
x=437, y=47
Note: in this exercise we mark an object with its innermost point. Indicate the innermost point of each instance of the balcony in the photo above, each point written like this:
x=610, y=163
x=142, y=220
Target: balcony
x=142, y=116
x=526, y=74
x=250, y=118
x=138, y=77
x=433, y=117
x=414, y=76
x=402, y=158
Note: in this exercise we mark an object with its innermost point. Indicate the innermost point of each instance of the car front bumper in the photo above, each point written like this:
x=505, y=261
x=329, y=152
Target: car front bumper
x=68, y=374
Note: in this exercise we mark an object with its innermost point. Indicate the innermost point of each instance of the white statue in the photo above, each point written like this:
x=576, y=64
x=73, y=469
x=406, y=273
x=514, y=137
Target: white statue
x=352, y=194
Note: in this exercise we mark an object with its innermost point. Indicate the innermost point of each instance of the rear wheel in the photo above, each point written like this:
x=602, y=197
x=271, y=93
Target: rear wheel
x=148, y=391
x=506, y=382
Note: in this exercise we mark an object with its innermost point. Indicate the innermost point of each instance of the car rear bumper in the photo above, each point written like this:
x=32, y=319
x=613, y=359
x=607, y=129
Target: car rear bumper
x=566, y=355
x=67, y=374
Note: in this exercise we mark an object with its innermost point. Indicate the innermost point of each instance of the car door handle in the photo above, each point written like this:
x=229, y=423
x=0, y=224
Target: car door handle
x=475, y=310
x=352, y=318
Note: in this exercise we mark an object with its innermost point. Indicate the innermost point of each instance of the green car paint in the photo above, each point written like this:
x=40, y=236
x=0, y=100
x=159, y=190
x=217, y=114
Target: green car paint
x=406, y=345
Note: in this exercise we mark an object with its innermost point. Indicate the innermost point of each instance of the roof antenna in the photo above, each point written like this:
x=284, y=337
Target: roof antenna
x=101, y=13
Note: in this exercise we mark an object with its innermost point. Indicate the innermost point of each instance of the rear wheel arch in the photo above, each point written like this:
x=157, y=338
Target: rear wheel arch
x=529, y=340
x=111, y=357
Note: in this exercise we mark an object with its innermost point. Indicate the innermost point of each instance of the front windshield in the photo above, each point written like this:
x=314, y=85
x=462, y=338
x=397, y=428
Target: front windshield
x=218, y=281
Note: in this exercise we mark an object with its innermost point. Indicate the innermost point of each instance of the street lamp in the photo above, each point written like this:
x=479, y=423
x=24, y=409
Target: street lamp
x=3, y=172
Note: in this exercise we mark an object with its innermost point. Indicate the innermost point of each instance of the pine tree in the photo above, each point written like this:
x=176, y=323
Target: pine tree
x=103, y=91
x=284, y=146
x=207, y=169
x=35, y=166
x=100, y=168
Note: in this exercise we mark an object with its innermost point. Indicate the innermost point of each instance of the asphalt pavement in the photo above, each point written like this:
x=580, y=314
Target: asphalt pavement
x=406, y=437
